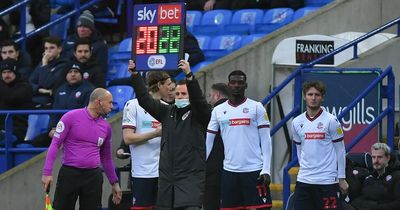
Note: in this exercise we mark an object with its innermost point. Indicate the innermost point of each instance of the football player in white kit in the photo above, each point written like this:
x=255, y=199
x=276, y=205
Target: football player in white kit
x=318, y=136
x=142, y=133
x=244, y=127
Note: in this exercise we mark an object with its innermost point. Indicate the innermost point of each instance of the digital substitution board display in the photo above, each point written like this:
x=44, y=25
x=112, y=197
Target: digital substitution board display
x=157, y=39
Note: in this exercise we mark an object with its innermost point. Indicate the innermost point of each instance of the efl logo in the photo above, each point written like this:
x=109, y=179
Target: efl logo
x=240, y=121
x=315, y=136
x=156, y=62
x=163, y=14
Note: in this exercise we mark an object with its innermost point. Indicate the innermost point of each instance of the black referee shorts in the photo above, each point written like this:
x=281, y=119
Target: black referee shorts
x=87, y=184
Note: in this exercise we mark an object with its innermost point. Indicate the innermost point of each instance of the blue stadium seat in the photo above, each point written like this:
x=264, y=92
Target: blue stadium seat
x=195, y=69
x=222, y=45
x=193, y=18
x=243, y=21
x=303, y=12
x=126, y=44
x=117, y=70
x=213, y=21
x=316, y=3
x=250, y=38
x=37, y=124
x=121, y=94
x=61, y=29
x=274, y=19
x=204, y=41
x=65, y=2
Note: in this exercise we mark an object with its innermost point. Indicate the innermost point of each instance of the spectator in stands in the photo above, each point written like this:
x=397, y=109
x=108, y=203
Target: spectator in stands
x=15, y=93
x=218, y=95
x=92, y=71
x=381, y=189
x=72, y=94
x=86, y=29
x=182, y=158
x=49, y=74
x=10, y=49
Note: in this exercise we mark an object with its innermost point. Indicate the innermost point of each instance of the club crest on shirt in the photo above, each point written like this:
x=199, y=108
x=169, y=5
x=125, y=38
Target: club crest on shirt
x=301, y=125
x=224, y=112
x=100, y=141
x=85, y=76
x=320, y=125
x=245, y=110
x=60, y=127
x=185, y=115
x=78, y=94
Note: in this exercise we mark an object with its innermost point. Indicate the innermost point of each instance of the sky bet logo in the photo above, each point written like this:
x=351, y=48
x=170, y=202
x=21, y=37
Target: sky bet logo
x=151, y=14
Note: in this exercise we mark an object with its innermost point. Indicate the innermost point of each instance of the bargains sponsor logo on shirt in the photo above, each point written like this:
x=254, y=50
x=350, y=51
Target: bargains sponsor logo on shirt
x=314, y=136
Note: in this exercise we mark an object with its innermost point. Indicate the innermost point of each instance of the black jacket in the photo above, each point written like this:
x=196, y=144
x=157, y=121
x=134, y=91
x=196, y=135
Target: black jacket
x=93, y=73
x=182, y=153
x=14, y=96
x=380, y=192
x=50, y=76
x=99, y=51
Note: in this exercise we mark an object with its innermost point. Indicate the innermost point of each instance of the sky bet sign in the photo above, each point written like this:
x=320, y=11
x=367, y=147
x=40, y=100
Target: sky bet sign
x=158, y=32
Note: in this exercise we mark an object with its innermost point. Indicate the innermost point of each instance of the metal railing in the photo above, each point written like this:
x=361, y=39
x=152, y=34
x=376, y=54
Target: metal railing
x=296, y=76
x=22, y=25
x=8, y=149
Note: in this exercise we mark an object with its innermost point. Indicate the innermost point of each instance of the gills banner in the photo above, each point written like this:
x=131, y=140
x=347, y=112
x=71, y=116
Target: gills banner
x=342, y=89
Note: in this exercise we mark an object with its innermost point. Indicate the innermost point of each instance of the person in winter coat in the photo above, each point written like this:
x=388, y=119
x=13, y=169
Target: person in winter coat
x=15, y=93
x=74, y=93
x=86, y=29
x=182, y=163
x=10, y=49
x=91, y=70
x=381, y=188
x=49, y=74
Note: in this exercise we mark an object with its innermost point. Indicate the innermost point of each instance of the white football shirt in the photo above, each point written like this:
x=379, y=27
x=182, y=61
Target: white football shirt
x=239, y=126
x=318, y=161
x=145, y=156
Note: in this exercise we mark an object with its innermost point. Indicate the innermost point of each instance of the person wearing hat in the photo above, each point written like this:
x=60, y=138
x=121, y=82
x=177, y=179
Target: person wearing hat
x=74, y=93
x=85, y=28
x=15, y=94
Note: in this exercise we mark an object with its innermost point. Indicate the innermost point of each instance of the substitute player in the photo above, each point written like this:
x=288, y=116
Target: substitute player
x=244, y=128
x=142, y=133
x=318, y=136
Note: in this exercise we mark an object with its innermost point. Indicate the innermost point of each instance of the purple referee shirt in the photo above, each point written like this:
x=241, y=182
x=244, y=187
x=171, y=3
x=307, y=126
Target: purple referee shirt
x=86, y=143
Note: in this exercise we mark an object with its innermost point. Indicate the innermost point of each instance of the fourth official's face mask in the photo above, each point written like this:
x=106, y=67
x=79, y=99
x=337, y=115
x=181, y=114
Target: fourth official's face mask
x=182, y=103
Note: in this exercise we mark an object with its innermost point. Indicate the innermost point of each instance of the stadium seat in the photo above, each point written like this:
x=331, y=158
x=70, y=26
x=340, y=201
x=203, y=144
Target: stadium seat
x=65, y=2
x=243, y=21
x=204, y=41
x=195, y=69
x=316, y=3
x=250, y=38
x=117, y=70
x=213, y=21
x=193, y=18
x=121, y=94
x=37, y=124
x=221, y=46
x=274, y=19
x=126, y=44
x=61, y=29
x=303, y=12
